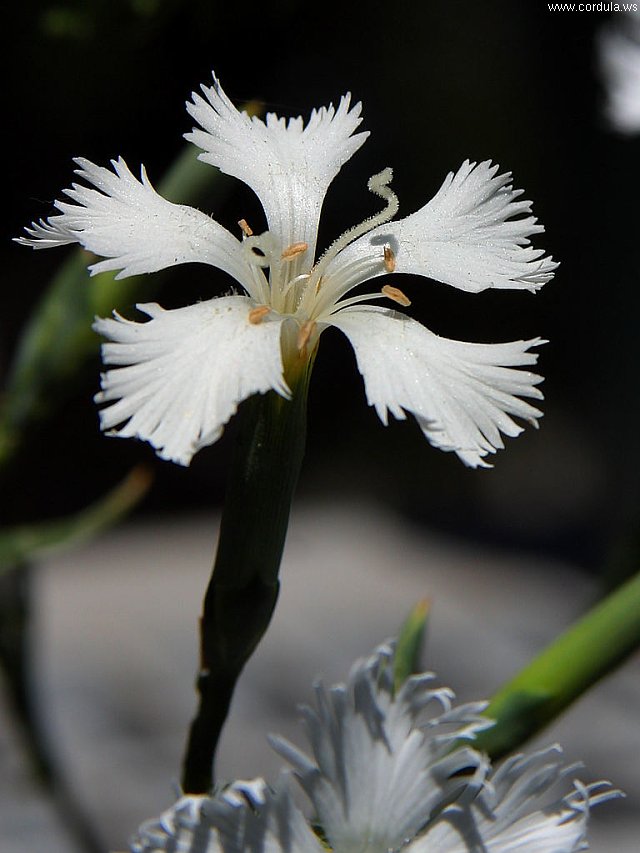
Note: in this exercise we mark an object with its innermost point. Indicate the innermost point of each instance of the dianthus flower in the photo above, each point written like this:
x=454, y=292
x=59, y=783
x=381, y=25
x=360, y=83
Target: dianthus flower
x=178, y=378
x=390, y=772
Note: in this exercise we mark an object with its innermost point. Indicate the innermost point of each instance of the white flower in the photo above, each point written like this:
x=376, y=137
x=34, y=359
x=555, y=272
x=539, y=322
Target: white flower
x=383, y=764
x=618, y=43
x=180, y=376
x=391, y=771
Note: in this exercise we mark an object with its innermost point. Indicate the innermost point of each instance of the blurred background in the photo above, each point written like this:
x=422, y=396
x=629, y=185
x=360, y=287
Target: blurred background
x=440, y=82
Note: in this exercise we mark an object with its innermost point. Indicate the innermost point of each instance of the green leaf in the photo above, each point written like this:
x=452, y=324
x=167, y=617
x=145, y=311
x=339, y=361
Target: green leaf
x=23, y=543
x=409, y=645
x=574, y=662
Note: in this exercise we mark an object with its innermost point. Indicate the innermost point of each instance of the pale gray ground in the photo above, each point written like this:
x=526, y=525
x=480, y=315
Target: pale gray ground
x=116, y=627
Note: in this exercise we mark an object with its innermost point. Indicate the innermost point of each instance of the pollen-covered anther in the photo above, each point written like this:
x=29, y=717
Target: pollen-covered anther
x=294, y=250
x=306, y=330
x=396, y=294
x=256, y=315
x=246, y=228
x=389, y=259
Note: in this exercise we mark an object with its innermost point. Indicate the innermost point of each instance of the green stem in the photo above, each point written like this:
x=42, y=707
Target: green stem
x=243, y=589
x=24, y=542
x=586, y=652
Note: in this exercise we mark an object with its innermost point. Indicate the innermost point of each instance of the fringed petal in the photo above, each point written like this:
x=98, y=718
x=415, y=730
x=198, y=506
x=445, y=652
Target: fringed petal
x=462, y=394
x=383, y=765
x=124, y=220
x=247, y=817
x=288, y=164
x=186, y=371
x=473, y=234
x=516, y=811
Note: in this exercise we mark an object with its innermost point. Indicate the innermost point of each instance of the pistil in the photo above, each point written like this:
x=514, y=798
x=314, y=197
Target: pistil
x=378, y=185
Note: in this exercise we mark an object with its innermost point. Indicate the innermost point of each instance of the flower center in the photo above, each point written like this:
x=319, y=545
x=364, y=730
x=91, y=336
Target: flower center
x=309, y=296
x=282, y=291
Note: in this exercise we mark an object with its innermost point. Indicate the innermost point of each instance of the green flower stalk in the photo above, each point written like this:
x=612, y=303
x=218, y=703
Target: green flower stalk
x=243, y=589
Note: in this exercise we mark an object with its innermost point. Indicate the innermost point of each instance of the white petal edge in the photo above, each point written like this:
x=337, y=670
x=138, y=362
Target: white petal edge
x=383, y=762
x=513, y=812
x=185, y=372
x=175, y=828
x=289, y=165
x=461, y=394
x=126, y=221
x=466, y=236
x=245, y=816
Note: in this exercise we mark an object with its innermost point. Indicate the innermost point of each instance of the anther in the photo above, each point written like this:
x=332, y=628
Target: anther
x=389, y=259
x=294, y=250
x=246, y=229
x=396, y=294
x=306, y=330
x=256, y=315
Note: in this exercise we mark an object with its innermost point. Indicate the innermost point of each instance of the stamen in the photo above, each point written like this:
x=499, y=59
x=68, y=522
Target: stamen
x=246, y=228
x=396, y=294
x=389, y=259
x=294, y=250
x=256, y=315
x=302, y=277
x=306, y=330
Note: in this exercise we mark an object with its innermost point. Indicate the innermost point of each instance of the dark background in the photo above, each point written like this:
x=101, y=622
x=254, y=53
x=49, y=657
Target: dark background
x=439, y=81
